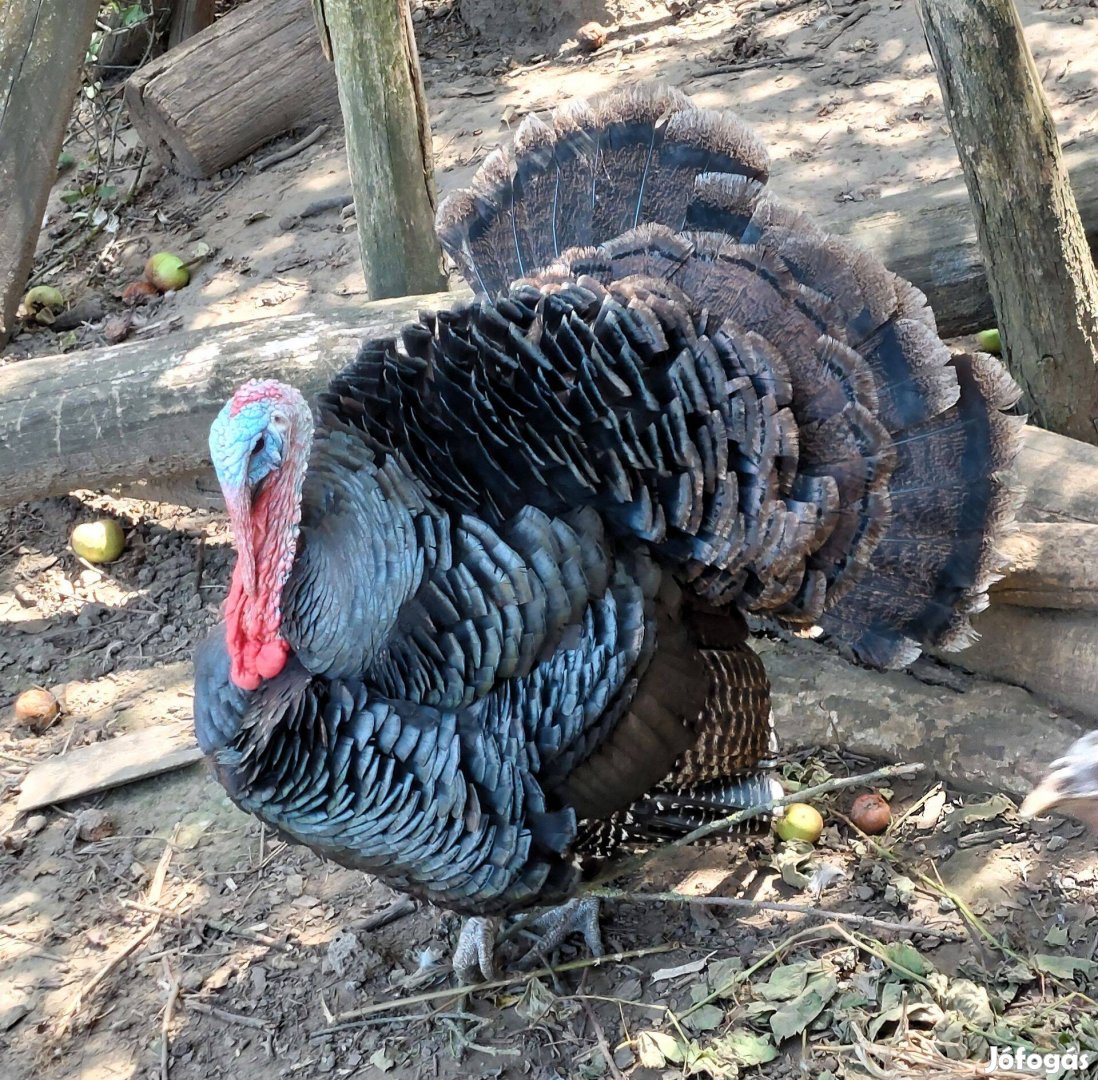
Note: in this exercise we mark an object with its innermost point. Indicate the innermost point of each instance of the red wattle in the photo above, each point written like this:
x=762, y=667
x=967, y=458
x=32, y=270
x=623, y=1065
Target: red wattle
x=271, y=658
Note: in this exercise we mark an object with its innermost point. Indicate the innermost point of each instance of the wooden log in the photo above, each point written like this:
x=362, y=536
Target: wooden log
x=42, y=48
x=1051, y=566
x=141, y=411
x=1041, y=273
x=928, y=235
x=388, y=143
x=1053, y=654
x=252, y=76
x=970, y=731
x=125, y=47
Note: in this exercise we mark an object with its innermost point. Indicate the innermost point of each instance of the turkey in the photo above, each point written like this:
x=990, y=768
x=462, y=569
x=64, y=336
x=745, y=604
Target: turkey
x=487, y=621
x=1071, y=786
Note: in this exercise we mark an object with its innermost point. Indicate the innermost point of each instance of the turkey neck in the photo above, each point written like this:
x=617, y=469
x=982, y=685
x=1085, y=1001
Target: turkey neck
x=266, y=543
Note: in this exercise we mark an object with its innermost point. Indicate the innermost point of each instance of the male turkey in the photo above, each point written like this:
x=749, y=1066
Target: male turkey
x=486, y=617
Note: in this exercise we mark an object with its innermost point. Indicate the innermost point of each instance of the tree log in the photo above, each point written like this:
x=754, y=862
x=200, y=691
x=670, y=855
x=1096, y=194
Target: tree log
x=252, y=76
x=1041, y=274
x=976, y=733
x=928, y=235
x=388, y=143
x=42, y=48
x=142, y=410
x=1051, y=566
x=188, y=18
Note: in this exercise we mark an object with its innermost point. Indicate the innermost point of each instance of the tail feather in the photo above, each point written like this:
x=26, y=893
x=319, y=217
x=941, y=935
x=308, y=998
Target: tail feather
x=862, y=484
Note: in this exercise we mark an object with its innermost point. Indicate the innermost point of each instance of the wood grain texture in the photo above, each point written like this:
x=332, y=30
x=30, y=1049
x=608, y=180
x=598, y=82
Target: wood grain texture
x=109, y=764
x=388, y=144
x=142, y=411
x=250, y=77
x=1052, y=566
x=1041, y=274
x=42, y=48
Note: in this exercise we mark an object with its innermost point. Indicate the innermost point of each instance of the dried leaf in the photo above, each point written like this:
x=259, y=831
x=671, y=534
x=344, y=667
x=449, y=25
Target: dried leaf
x=723, y=975
x=788, y=980
x=676, y=972
x=932, y=810
x=745, y=1047
x=981, y=811
x=536, y=1003
x=906, y=960
x=654, y=1049
x=381, y=1060
x=794, y=1016
x=971, y=1001
x=1058, y=935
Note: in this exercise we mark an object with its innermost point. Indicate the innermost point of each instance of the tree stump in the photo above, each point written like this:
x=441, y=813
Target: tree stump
x=252, y=76
x=42, y=48
x=1040, y=271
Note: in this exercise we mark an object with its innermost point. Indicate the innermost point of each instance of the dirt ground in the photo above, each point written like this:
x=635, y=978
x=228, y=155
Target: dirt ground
x=189, y=944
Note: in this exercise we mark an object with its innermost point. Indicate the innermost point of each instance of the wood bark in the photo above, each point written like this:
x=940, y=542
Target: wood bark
x=1052, y=566
x=388, y=143
x=1041, y=274
x=250, y=77
x=42, y=49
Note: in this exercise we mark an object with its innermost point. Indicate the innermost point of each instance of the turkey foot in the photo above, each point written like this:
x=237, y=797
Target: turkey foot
x=474, y=954
x=580, y=915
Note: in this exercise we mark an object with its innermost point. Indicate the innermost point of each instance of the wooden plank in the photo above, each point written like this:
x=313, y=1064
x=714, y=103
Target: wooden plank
x=42, y=47
x=110, y=764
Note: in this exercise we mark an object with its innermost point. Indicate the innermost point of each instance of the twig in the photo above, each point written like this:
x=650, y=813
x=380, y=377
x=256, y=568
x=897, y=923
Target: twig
x=85, y=991
x=497, y=984
x=396, y=910
x=296, y=148
x=749, y=65
x=152, y=896
x=213, y=924
x=600, y=1038
x=226, y=1016
x=166, y=1022
x=774, y=905
x=844, y=24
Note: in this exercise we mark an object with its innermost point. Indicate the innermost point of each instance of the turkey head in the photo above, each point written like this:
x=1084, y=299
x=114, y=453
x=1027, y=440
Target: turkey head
x=259, y=444
x=1071, y=786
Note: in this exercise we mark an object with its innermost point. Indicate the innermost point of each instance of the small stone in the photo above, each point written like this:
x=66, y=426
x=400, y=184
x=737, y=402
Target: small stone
x=35, y=824
x=591, y=37
x=91, y=825
x=295, y=885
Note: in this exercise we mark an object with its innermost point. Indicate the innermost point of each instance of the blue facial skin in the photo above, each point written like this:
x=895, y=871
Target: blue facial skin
x=247, y=447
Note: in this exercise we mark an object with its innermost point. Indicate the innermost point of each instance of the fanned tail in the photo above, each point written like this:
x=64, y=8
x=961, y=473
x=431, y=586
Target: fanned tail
x=866, y=482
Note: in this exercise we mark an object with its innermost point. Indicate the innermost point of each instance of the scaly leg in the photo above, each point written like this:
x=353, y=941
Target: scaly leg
x=580, y=915
x=474, y=954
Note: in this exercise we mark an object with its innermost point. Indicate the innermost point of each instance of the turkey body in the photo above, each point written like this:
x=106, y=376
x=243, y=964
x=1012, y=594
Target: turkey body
x=526, y=531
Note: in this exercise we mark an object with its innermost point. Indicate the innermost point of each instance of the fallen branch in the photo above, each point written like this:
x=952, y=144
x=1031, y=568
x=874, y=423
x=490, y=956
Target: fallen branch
x=844, y=24
x=495, y=984
x=226, y=1016
x=166, y=1020
x=283, y=155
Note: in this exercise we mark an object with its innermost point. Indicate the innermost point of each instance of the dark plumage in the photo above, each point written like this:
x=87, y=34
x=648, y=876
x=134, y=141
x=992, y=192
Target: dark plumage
x=494, y=626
